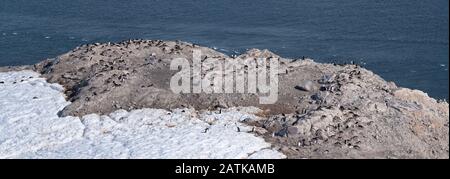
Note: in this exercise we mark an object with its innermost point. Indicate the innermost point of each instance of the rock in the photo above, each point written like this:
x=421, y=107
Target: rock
x=327, y=79
x=317, y=97
x=69, y=76
x=281, y=133
x=259, y=130
x=306, y=86
x=292, y=130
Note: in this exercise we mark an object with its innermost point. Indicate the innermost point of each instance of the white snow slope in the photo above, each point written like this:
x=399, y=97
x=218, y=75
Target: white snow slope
x=30, y=128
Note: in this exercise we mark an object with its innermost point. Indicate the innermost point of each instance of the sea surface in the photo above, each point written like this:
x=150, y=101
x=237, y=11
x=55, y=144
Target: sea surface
x=405, y=41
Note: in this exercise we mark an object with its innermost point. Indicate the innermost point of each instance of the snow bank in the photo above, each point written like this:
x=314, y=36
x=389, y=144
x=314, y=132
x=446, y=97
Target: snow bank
x=30, y=128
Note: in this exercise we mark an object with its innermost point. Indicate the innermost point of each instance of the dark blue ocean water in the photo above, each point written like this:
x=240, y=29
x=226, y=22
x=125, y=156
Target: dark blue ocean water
x=405, y=41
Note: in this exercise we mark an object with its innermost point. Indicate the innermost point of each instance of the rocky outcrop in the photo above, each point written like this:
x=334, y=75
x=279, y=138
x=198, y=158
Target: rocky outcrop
x=323, y=110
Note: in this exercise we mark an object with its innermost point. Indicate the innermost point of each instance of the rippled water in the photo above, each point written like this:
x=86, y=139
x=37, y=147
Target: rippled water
x=405, y=41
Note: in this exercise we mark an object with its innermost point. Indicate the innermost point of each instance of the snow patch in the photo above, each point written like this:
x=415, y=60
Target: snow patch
x=30, y=128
